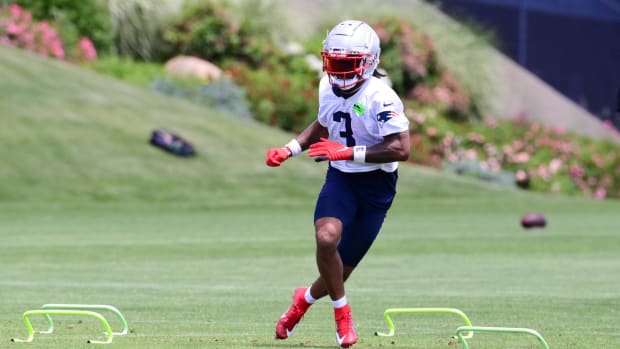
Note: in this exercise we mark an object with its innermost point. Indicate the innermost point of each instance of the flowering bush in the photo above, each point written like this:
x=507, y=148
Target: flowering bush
x=540, y=158
x=17, y=28
x=85, y=50
x=75, y=19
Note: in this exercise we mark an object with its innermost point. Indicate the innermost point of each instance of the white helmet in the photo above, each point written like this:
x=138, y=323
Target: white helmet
x=350, y=53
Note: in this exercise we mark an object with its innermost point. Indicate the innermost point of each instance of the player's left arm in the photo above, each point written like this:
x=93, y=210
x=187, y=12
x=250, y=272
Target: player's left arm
x=395, y=147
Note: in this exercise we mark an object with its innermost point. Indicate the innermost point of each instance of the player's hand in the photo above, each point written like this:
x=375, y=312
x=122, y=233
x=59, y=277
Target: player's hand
x=276, y=156
x=334, y=151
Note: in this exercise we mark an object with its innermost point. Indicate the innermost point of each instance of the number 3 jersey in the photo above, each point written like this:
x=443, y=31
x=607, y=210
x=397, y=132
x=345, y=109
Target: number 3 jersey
x=364, y=118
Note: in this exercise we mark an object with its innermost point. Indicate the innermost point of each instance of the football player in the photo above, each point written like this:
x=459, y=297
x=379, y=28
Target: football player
x=363, y=132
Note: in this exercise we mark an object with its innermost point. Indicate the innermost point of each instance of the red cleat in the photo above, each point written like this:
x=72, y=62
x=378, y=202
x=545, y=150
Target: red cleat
x=345, y=333
x=289, y=320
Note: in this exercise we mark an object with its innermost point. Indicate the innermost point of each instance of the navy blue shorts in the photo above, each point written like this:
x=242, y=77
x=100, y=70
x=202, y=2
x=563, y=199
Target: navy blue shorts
x=361, y=202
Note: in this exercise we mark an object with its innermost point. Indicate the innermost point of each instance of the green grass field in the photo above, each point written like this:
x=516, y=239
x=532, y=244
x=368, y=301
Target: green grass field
x=205, y=253
x=219, y=278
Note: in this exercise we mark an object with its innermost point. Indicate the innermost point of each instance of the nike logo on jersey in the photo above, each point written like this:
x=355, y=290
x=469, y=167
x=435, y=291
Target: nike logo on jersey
x=387, y=104
x=385, y=116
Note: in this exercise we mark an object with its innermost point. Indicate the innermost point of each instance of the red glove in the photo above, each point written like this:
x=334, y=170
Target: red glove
x=334, y=151
x=276, y=156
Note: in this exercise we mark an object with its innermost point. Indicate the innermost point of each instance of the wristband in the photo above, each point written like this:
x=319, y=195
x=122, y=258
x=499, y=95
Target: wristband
x=359, y=154
x=294, y=147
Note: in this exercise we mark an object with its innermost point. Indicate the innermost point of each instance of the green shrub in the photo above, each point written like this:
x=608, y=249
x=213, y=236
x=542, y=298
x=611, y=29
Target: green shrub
x=221, y=94
x=206, y=29
x=284, y=94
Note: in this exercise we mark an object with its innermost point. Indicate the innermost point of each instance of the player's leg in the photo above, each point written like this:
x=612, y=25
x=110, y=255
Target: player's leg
x=335, y=208
x=329, y=204
x=330, y=264
x=318, y=289
x=328, y=232
x=375, y=192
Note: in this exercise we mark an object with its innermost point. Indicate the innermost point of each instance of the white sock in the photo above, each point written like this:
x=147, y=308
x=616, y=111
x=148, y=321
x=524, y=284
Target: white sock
x=308, y=297
x=339, y=303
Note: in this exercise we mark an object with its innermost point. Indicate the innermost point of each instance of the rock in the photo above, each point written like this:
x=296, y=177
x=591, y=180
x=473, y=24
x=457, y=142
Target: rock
x=188, y=66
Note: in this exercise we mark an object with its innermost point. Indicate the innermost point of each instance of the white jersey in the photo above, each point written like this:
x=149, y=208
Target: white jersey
x=364, y=118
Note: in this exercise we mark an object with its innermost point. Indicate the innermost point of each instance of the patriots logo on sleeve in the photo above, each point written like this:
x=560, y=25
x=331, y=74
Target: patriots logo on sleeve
x=386, y=115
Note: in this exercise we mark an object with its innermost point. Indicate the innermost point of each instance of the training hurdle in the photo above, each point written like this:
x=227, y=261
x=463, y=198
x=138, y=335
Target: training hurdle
x=114, y=310
x=472, y=329
x=391, y=311
x=48, y=312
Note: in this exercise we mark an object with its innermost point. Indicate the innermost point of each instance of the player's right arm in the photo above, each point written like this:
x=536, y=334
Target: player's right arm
x=312, y=134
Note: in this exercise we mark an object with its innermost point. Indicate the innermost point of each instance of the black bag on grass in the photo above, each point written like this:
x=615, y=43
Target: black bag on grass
x=172, y=143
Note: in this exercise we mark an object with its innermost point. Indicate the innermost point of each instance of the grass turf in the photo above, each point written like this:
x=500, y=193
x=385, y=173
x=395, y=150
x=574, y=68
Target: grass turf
x=219, y=278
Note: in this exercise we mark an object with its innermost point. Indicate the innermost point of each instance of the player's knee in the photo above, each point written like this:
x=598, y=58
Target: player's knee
x=327, y=239
x=328, y=231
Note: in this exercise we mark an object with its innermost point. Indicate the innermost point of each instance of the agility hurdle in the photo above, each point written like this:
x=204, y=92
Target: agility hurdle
x=48, y=312
x=472, y=329
x=391, y=311
x=114, y=310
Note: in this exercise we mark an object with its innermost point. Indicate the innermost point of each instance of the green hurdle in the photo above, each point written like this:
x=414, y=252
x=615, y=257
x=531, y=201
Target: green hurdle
x=471, y=329
x=48, y=312
x=391, y=311
x=114, y=310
